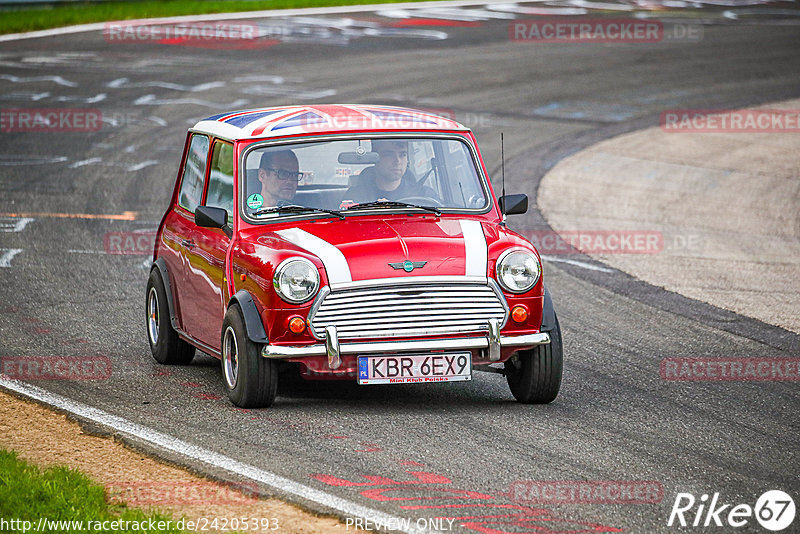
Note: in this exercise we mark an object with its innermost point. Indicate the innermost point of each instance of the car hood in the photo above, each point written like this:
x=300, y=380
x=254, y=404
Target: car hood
x=371, y=248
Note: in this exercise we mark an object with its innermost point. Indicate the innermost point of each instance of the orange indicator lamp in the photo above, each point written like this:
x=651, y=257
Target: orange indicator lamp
x=297, y=324
x=519, y=314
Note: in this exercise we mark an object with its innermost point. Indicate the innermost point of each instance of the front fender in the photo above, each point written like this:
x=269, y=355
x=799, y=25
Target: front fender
x=548, y=313
x=161, y=265
x=252, y=319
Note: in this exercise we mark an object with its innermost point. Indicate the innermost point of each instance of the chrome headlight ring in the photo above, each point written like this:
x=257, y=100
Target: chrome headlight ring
x=517, y=270
x=296, y=280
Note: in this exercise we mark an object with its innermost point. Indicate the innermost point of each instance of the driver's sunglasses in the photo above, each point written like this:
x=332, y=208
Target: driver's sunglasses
x=285, y=175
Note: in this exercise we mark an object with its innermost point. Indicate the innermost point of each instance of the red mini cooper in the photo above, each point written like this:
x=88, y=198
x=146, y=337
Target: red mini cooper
x=347, y=241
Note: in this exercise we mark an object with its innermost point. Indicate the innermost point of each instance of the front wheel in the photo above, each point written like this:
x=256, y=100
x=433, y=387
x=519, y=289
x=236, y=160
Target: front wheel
x=534, y=376
x=166, y=346
x=250, y=379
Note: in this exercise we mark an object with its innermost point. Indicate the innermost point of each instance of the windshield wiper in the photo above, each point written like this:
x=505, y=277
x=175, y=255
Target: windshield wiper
x=297, y=208
x=392, y=204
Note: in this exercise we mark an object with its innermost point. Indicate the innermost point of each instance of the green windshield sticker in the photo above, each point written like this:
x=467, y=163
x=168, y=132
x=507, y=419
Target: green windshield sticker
x=255, y=201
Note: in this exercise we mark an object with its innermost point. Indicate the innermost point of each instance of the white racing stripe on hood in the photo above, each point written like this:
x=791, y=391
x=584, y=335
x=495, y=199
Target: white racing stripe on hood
x=477, y=253
x=332, y=258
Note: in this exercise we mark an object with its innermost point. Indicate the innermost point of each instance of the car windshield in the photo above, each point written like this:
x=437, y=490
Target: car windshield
x=352, y=175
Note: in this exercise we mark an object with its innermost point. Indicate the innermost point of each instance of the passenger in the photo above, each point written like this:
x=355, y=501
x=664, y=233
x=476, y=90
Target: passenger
x=390, y=178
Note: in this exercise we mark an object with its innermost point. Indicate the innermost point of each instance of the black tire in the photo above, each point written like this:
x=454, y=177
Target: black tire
x=250, y=379
x=166, y=346
x=534, y=376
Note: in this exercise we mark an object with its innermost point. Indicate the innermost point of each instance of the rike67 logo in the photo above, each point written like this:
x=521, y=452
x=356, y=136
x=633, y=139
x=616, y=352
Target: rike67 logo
x=774, y=510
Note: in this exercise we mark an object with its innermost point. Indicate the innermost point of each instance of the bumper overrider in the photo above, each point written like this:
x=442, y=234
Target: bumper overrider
x=493, y=342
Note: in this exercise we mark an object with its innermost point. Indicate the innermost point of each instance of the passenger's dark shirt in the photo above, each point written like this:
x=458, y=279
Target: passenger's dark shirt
x=366, y=189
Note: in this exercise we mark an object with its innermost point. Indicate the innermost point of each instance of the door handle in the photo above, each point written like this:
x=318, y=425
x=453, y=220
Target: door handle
x=187, y=243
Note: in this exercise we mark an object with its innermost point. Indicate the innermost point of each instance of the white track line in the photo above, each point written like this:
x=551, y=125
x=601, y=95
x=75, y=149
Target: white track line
x=577, y=263
x=14, y=225
x=99, y=26
x=8, y=255
x=55, y=79
x=206, y=456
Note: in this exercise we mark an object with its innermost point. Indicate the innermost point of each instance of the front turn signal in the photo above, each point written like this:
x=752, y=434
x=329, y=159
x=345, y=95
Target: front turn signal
x=519, y=314
x=297, y=325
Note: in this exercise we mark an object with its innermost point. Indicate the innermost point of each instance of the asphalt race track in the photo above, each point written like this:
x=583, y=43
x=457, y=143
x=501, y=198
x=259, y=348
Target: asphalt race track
x=438, y=452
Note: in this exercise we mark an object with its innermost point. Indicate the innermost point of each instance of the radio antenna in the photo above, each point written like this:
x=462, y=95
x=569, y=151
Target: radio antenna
x=503, y=171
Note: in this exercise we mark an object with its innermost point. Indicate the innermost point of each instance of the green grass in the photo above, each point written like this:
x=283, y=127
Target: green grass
x=60, y=494
x=52, y=16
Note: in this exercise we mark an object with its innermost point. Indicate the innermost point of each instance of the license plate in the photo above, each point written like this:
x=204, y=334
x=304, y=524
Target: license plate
x=414, y=368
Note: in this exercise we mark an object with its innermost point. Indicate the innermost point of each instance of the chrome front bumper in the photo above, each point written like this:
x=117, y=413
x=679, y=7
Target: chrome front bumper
x=334, y=350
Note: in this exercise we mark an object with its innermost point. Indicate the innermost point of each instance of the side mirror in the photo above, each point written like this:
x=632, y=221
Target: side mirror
x=513, y=204
x=209, y=217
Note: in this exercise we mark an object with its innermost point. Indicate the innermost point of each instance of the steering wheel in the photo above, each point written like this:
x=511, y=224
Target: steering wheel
x=422, y=201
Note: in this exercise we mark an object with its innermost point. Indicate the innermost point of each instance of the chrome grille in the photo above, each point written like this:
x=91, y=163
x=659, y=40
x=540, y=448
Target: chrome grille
x=408, y=310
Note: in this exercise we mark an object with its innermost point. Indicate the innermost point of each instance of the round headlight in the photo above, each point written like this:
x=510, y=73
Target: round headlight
x=296, y=280
x=518, y=271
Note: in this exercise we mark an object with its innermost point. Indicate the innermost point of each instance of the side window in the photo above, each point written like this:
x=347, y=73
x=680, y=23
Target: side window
x=220, y=181
x=191, y=192
x=461, y=185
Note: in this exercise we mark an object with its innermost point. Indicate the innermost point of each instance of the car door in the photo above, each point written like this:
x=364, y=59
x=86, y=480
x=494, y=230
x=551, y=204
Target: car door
x=179, y=222
x=205, y=252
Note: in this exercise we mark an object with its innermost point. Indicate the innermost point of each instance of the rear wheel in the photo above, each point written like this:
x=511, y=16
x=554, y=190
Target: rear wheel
x=250, y=379
x=534, y=376
x=166, y=346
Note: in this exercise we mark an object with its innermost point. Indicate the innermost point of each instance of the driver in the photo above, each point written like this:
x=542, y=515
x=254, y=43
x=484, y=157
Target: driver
x=390, y=178
x=278, y=175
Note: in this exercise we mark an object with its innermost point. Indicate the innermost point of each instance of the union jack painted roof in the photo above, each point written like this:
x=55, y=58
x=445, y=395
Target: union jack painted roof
x=292, y=120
